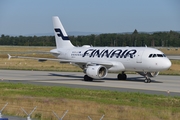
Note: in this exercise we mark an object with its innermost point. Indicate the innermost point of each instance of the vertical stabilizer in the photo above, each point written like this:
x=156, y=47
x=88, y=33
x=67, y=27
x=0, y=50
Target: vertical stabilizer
x=62, y=39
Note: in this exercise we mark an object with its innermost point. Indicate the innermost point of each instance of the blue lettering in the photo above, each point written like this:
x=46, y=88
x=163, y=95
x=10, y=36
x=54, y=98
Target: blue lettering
x=130, y=53
x=107, y=54
x=97, y=53
x=92, y=53
x=86, y=52
x=116, y=53
x=110, y=54
x=123, y=53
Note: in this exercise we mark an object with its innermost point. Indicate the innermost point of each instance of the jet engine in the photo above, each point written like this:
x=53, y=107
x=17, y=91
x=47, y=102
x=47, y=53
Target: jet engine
x=97, y=71
x=149, y=74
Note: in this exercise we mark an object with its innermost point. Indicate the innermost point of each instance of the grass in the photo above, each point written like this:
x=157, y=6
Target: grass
x=24, y=64
x=170, y=51
x=174, y=69
x=82, y=103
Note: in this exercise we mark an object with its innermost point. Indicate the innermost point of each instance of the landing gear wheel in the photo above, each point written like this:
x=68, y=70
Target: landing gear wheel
x=87, y=78
x=147, y=80
x=121, y=76
x=124, y=76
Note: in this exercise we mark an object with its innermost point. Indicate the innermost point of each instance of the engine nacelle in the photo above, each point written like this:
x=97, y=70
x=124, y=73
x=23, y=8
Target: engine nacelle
x=97, y=72
x=149, y=74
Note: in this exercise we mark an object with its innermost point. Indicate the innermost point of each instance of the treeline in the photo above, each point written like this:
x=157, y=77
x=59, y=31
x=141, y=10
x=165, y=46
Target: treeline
x=164, y=39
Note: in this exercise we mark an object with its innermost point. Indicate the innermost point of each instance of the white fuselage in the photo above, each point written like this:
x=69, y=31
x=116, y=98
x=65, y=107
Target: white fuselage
x=122, y=58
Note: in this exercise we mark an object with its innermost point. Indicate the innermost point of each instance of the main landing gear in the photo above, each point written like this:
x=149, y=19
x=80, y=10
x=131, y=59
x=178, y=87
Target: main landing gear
x=122, y=76
x=87, y=78
x=147, y=80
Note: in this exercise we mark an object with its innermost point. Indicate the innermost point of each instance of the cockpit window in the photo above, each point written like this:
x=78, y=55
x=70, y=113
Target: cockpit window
x=150, y=55
x=156, y=55
x=160, y=55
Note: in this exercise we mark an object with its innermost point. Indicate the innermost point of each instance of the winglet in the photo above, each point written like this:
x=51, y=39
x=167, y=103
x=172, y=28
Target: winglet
x=9, y=56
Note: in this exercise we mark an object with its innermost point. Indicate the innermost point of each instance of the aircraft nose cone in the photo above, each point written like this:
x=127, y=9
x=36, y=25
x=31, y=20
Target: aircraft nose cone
x=167, y=64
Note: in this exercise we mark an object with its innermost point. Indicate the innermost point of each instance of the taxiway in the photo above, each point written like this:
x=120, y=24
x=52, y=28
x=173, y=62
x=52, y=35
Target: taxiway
x=160, y=85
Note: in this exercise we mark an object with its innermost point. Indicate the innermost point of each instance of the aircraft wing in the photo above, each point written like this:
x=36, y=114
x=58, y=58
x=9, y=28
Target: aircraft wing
x=79, y=62
x=34, y=58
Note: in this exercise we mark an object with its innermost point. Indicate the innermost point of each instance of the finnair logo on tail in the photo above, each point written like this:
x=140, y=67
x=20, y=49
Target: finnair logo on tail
x=60, y=34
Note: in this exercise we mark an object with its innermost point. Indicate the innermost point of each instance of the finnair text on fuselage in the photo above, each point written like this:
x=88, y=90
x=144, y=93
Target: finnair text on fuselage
x=114, y=53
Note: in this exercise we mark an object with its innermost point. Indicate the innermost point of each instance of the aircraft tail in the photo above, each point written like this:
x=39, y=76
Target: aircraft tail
x=62, y=39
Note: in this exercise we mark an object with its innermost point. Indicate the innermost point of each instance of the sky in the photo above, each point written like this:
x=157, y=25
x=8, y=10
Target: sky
x=27, y=17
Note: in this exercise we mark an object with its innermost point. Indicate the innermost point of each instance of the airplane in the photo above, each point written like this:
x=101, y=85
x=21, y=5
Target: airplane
x=96, y=62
